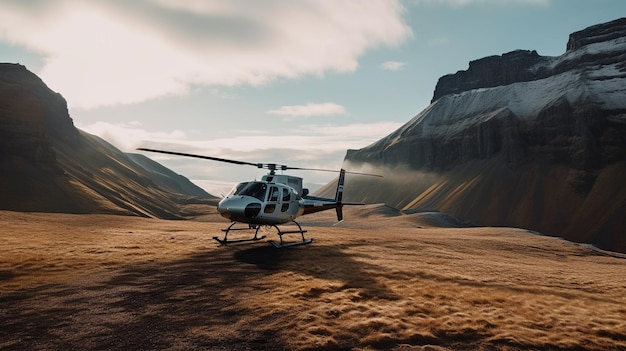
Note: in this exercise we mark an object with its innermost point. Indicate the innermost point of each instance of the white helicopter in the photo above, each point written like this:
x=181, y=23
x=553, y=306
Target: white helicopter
x=274, y=200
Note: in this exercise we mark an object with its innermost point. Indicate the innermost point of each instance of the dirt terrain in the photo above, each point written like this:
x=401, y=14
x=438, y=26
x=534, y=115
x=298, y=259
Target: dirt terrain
x=378, y=280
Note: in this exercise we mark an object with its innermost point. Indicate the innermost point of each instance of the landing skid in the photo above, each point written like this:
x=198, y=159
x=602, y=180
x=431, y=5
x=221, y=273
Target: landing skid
x=256, y=237
x=296, y=243
x=230, y=228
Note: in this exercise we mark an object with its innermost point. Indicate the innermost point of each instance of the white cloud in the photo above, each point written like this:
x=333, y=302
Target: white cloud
x=129, y=136
x=310, y=109
x=393, y=65
x=313, y=146
x=99, y=53
x=313, y=138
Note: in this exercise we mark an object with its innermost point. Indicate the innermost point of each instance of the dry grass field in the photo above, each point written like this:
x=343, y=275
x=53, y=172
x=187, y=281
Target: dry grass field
x=378, y=280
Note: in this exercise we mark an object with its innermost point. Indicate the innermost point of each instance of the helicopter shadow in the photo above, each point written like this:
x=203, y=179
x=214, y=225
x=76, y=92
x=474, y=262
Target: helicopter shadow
x=193, y=301
x=331, y=263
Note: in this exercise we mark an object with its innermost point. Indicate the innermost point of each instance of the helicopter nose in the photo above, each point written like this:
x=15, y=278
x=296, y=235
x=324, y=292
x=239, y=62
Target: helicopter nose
x=239, y=209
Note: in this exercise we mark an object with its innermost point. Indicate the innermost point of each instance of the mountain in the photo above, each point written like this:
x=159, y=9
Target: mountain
x=517, y=140
x=48, y=165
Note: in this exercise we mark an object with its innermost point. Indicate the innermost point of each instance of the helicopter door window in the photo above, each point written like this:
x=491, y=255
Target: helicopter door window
x=286, y=199
x=272, y=198
x=286, y=195
x=269, y=208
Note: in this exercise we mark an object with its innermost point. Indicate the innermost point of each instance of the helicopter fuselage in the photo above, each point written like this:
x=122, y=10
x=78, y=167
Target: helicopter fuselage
x=262, y=202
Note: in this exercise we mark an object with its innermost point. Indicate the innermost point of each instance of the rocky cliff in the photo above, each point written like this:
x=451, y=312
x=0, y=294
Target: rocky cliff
x=520, y=140
x=47, y=164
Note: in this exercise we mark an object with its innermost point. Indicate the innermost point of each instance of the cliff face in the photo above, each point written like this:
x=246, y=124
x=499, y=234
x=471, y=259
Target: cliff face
x=492, y=71
x=46, y=164
x=585, y=48
x=523, y=140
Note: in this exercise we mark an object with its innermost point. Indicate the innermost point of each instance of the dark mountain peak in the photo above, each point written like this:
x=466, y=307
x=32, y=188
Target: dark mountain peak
x=48, y=165
x=527, y=65
x=596, y=34
x=489, y=72
x=17, y=73
x=29, y=103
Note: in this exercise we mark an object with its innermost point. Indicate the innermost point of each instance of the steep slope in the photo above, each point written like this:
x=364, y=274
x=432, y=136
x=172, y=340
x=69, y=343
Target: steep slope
x=518, y=140
x=168, y=179
x=49, y=165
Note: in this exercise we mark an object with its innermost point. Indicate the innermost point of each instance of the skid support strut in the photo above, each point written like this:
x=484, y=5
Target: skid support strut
x=283, y=232
x=230, y=228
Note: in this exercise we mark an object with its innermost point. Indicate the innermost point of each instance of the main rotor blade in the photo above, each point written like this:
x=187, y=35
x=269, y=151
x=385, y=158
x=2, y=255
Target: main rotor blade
x=271, y=166
x=334, y=171
x=203, y=157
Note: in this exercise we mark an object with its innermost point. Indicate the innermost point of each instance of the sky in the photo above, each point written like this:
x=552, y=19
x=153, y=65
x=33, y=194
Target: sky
x=295, y=82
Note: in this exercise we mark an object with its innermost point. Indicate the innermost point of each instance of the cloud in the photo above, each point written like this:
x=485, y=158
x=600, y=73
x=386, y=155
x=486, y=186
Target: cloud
x=100, y=53
x=393, y=65
x=130, y=135
x=319, y=137
x=314, y=146
x=310, y=109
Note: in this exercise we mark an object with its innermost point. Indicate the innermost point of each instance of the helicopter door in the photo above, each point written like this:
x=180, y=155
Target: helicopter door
x=286, y=200
x=272, y=200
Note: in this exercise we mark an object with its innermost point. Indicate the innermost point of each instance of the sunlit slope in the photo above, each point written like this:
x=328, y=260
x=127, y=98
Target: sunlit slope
x=49, y=165
x=535, y=197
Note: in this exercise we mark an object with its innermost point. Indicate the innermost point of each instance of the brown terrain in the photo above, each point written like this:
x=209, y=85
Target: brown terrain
x=378, y=280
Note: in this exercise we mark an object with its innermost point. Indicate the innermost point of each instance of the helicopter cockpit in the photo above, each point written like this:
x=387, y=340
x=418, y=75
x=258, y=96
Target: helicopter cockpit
x=254, y=189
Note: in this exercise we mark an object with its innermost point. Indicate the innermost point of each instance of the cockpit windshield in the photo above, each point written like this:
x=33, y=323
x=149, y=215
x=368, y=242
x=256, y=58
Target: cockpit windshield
x=254, y=189
x=237, y=188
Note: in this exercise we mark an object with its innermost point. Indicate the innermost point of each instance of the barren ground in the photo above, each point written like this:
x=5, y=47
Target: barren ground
x=374, y=281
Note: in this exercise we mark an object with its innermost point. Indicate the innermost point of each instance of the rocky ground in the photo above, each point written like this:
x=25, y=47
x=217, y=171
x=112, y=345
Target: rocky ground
x=378, y=280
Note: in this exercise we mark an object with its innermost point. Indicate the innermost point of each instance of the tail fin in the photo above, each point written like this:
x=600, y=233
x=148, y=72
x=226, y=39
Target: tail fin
x=339, y=194
x=339, y=210
x=342, y=178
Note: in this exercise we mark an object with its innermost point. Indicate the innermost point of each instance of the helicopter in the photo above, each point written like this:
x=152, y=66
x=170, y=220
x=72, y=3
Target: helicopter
x=274, y=200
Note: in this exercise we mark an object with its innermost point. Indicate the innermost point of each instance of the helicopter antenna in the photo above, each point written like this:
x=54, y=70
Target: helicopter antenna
x=272, y=167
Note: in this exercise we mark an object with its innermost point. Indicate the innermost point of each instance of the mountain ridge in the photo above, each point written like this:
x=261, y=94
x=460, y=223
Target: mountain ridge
x=518, y=140
x=48, y=165
x=527, y=65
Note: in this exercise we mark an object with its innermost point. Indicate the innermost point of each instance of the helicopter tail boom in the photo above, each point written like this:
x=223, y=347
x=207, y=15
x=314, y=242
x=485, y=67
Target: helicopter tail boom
x=317, y=204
